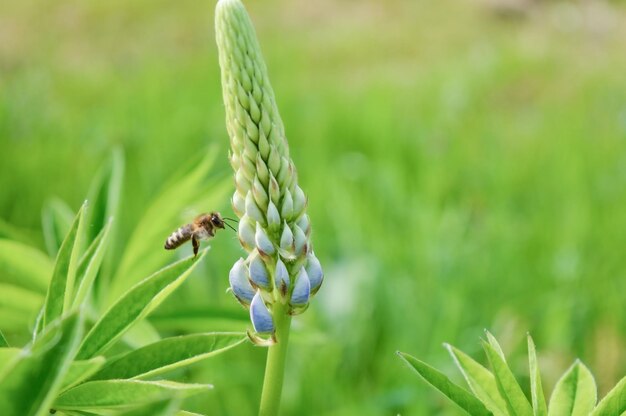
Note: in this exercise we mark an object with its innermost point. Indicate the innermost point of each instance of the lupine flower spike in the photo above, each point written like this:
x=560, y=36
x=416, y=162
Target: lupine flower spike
x=281, y=272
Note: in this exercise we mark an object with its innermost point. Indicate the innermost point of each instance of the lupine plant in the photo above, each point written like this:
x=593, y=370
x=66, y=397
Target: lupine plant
x=280, y=273
x=92, y=352
x=498, y=393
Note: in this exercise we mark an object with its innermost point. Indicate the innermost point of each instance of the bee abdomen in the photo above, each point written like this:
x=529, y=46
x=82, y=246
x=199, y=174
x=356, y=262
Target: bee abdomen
x=178, y=237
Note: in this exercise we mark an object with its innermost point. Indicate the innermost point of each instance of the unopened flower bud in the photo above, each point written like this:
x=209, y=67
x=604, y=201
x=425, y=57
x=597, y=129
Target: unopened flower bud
x=239, y=283
x=315, y=273
x=263, y=242
x=301, y=290
x=260, y=316
x=246, y=232
x=258, y=273
x=252, y=209
x=282, y=277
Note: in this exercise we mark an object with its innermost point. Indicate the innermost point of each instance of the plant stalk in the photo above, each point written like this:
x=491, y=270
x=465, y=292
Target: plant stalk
x=275, y=365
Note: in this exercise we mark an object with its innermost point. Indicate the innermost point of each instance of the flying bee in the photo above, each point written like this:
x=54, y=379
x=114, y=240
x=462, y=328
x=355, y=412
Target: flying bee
x=203, y=227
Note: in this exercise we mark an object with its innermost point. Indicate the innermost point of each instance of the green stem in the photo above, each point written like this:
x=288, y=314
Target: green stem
x=275, y=366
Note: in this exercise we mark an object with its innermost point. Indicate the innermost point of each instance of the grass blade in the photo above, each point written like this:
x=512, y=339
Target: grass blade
x=169, y=354
x=29, y=384
x=508, y=386
x=536, y=389
x=123, y=394
x=61, y=286
x=464, y=399
x=480, y=380
x=24, y=266
x=135, y=305
x=614, y=403
x=81, y=370
x=90, y=264
x=575, y=393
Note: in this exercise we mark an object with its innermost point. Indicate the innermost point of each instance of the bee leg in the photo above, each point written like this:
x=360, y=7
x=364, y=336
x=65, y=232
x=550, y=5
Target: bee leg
x=196, y=246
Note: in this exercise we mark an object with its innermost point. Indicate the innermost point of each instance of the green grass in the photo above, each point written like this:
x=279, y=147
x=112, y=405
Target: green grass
x=464, y=172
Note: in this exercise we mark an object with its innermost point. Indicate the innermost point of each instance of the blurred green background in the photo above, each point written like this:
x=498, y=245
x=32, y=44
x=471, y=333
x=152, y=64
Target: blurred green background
x=465, y=163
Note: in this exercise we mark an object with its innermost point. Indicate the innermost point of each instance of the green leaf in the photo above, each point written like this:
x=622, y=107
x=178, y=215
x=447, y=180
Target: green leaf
x=141, y=257
x=536, y=389
x=189, y=318
x=575, y=393
x=508, y=386
x=167, y=407
x=90, y=264
x=24, y=266
x=441, y=382
x=495, y=344
x=169, y=354
x=136, y=304
x=123, y=394
x=7, y=355
x=480, y=380
x=59, y=296
x=56, y=220
x=614, y=403
x=81, y=370
x=3, y=341
x=29, y=384
x=23, y=300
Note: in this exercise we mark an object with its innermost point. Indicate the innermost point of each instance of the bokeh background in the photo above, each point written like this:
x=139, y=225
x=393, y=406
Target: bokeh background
x=465, y=163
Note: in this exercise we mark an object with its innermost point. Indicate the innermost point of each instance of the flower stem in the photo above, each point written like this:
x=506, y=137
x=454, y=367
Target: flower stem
x=275, y=366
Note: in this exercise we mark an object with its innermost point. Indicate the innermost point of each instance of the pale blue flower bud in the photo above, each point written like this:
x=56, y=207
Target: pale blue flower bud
x=258, y=273
x=299, y=201
x=300, y=240
x=315, y=273
x=281, y=277
x=305, y=224
x=260, y=316
x=239, y=283
x=286, y=238
x=252, y=209
x=263, y=242
x=246, y=232
x=301, y=289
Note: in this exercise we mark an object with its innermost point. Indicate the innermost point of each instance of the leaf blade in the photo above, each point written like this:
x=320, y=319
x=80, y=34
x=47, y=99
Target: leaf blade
x=81, y=370
x=614, y=403
x=135, y=305
x=461, y=397
x=575, y=392
x=536, y=390
x=168, y=354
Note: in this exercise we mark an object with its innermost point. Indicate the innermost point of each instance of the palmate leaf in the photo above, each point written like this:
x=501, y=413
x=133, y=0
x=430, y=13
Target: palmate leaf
x=24, y=266
x=122, y=394
x=169, y=354
x=464, y=399
x=29, y=383
x=136, y=304
x=508, y=386
x=161, y=217
x=536, y=389
x=480, y=380
x=574, y=393
x=61, y=288
x=614, y=403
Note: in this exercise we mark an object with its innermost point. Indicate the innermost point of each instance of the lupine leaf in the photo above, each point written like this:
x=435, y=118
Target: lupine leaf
x=136, y=304
x=81, y=370
x=495, y=344
x=160, y=218
x=575, y=393
x=7, y=355
x=167, y=407
x=3, y=341
x=61, y=285
x=480, y=380
x=121, y=394
x=24, y=266
x=614, y=403
x=536, y=389
x=29, y=384
x=90, y=264
x=168, y=354
x=464, y=399
x=56, y=220
x=508, y=386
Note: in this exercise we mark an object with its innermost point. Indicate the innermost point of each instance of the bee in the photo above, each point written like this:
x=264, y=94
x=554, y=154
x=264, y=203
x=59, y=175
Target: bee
x=203, y=227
